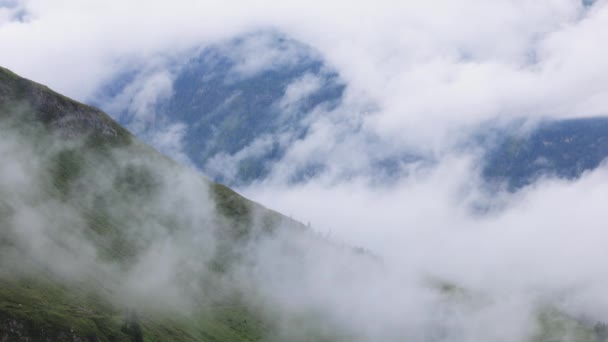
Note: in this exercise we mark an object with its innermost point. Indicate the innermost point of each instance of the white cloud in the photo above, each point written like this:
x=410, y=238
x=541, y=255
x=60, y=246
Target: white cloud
x=255, y=53
x=430, y=66
x=299, y=90
x=226, y=165
x=429, y=70
x=169, y=139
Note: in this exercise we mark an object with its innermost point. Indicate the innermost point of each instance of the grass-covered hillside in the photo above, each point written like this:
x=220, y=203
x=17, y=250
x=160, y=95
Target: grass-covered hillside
x=104, y=239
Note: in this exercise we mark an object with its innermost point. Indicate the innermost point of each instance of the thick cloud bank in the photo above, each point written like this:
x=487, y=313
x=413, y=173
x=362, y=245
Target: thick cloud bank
x=419, y=76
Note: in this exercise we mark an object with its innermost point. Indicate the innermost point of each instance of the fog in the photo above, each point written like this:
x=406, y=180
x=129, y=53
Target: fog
x=419, y=77
x=438, y=270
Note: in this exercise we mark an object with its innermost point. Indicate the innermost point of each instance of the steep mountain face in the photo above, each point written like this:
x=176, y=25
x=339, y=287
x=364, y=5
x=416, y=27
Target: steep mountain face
x=234, y=108
x=560, y=148
x=245, y=100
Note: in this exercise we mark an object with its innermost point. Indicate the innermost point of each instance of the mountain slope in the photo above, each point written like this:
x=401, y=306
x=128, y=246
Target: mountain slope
x=104, y=239
x=558, y=148
x=238, y=104
x=83, y=204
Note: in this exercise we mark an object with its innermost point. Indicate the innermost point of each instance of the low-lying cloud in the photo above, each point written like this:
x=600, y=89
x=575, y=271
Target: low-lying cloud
x=419, y=76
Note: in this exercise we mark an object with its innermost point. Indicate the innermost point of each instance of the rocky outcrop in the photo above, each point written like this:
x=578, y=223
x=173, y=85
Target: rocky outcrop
x=68, y=117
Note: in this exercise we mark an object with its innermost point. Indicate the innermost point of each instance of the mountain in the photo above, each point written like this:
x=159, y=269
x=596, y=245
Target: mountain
x=246, y=100
x=554, y=148
x=240, y=104
x=104, y=239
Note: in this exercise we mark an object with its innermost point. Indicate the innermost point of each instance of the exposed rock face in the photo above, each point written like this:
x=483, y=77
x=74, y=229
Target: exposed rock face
x=68, y=117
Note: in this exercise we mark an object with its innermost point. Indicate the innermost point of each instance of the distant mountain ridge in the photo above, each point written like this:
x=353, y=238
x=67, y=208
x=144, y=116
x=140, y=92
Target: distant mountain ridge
x=244, y=99
x=555, y=148
x=237, y=106
x=101, y=237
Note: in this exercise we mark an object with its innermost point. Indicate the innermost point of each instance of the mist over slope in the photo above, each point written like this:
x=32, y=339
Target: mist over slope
x=105, y=239
x=463, y=146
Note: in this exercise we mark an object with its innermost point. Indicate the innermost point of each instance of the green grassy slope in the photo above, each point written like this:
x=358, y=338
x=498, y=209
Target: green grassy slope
x=35, y=303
